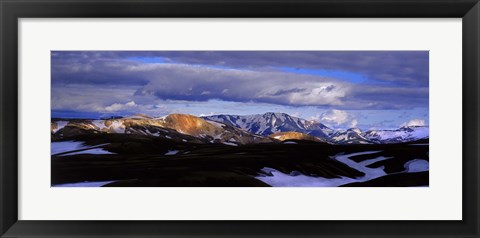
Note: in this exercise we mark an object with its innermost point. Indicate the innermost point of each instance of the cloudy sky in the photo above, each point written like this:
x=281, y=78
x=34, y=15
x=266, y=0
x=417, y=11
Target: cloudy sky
x=342, y=89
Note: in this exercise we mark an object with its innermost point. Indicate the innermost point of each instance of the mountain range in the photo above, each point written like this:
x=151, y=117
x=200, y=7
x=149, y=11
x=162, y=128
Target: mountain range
x=270, y=123
x=233, y=129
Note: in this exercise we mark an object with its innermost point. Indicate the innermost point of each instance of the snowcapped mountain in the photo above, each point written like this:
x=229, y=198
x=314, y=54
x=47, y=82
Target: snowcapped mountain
x=232, y=129
x=350, y=136
x=270, y=123
x=403, y=134
x=186, y=128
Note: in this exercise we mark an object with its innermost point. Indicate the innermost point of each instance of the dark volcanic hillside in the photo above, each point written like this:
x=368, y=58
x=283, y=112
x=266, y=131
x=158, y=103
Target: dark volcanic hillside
x=184, y=150
x=138, y=160
x=175, y=126
x=232, y=129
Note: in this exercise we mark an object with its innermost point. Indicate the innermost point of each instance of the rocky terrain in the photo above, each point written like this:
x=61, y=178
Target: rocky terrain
x=273, y=149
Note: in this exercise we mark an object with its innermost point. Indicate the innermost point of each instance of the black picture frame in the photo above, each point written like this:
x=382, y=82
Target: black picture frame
x=12, y=10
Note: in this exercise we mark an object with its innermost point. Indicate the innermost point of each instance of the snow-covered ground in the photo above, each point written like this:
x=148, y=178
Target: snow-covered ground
x=83, y=184
x=60, y=125
x=94, y=151
x=76, y=147
x=295, y=179
x=65, y=146
x=416, y=165
x=172, y=152
x=99, y=123
x=230, y=143
x=117, y=126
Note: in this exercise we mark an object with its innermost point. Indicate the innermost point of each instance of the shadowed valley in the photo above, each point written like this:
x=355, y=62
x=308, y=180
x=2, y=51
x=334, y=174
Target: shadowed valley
x=187, y=151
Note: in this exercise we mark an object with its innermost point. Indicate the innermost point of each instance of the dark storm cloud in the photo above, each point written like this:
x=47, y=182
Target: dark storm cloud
x=402, y=67
x=398, y=67
x=92, y=68
x=388, y=97
x=243, y=76
x=297, y=90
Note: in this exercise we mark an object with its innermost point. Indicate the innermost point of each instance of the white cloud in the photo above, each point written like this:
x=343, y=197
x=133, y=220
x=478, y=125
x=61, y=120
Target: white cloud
x=337, y=119
x=414, y=122
x=195, y=83
x=208, y=114
x=295, y=114
x=353, y=123
x=121, y=107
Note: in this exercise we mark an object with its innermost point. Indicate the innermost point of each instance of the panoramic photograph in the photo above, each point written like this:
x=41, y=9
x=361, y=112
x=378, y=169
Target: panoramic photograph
x=239, y=119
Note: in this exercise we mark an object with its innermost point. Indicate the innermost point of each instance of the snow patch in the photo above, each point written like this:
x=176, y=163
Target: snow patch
x=83, y=184
x=94, y=151
x=118, y=127
x=356, y=130
x=65, y=146
x=295, y=179
x=416, y=165
x=99, y=123
x=229, y=143
x=172, y=152
x=279, y=179
x=371, y=161
x=60, y=125
x=76, y=147
x=341, y=137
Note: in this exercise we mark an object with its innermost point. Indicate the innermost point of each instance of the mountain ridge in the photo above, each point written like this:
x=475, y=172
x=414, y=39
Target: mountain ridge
x=234, y=129
x=268, y=122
